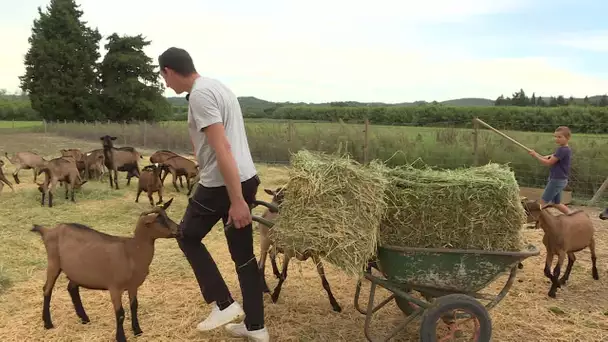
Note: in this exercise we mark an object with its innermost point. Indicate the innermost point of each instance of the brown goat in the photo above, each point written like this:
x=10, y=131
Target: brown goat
x=150, y=182
x=180, y=166
x=266, y=242
x=94, y=163
x=78, y=156
x=159, y=157
x=62, y=169
x=3, y=178
x=94, y=260
x=564, y=235
x=120, y=159
x=25, y=161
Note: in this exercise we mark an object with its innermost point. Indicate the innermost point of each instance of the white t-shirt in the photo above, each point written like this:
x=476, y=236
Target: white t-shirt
x=211, y=102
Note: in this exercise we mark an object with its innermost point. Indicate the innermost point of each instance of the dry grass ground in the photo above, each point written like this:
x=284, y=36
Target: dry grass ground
x=170, y=302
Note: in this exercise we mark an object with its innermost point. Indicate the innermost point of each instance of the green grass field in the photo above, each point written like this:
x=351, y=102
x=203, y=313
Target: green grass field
x=271, y=141
x=20, y=124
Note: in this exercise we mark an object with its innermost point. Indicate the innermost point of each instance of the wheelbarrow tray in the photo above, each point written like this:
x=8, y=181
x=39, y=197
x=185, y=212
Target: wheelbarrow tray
x=447, y=270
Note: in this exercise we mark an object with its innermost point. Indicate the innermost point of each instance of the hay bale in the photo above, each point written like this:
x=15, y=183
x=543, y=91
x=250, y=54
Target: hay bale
x=466, y=208
x=332, y=205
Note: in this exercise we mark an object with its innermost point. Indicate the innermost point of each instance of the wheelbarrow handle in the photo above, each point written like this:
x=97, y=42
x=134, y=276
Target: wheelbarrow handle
x=272, y=207
x=256, y=218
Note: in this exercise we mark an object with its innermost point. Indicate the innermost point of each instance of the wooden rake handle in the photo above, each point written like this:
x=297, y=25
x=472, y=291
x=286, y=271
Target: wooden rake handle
x=503, y=135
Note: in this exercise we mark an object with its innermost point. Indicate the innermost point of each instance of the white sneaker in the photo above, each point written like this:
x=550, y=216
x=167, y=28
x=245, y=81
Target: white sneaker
x=240, y=330
x=218, y=317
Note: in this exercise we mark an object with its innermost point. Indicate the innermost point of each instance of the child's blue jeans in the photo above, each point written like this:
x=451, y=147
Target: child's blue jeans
x=553, y=190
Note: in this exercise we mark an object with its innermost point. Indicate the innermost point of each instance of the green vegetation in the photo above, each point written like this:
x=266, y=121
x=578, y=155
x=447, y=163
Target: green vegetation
x=271, y=141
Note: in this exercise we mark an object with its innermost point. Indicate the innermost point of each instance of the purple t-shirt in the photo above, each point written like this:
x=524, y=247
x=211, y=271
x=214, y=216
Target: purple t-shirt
x=561, y=169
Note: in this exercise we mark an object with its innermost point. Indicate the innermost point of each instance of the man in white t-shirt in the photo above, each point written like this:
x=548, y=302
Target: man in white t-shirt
x=228, y=185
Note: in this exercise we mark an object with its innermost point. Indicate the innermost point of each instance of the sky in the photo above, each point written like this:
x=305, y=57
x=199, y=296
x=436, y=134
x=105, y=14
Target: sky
x=353, y=50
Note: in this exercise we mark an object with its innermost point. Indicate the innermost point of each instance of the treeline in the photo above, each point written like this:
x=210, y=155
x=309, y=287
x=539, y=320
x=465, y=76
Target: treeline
x=16, y=107
x=580, y=119
x=520, y=99
x=65, y=81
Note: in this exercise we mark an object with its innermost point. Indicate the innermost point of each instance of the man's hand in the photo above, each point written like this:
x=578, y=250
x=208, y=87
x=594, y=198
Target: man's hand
x=239, y=214
x=533, y=153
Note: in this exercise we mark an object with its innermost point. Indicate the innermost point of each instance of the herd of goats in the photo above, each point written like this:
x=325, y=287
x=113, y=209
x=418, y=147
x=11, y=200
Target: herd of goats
x=119, y=264
x=74, y=168
x=116, y=263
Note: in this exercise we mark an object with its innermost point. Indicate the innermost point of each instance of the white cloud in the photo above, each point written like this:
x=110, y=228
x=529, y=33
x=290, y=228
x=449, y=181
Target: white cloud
x=322, y=51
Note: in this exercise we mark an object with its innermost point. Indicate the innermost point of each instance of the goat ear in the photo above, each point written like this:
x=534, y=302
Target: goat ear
x=101, y=138
x=268, y=191
x=113, y=138
x=167, y=204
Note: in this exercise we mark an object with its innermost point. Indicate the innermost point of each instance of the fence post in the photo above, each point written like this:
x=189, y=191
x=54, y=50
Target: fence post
x=44, y=122
x=289, y=130
x=598, y=194
x=475, y=142
x=124, y=136
x=366, y=141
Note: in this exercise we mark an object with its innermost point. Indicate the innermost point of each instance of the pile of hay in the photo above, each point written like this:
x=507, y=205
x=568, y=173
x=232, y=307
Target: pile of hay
x=334, y=206
x=467, y=208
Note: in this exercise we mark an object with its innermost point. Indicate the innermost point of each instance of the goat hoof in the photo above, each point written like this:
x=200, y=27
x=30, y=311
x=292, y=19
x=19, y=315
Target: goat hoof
x=85, y=320
x=337, y=308
x=137, y=332
x=520, y=265
x=48, y=326
x=551, y=294
x=274, y=298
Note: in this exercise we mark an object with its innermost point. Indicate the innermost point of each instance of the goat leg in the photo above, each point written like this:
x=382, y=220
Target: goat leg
x=52, y=272
x=566, y=276
x=265, y=244
x=119, y=312
x=138, y=193
x=181, y=181
x=115, y=177
x=160, y=195
x=134, y=319
x=174, y=174
x=72, y=186
x=594, y=272
x=321, y=271
x=277, y=290
x=273, y=261
x=74, y=291
x=66, y=190
x=16, y=174
x=150, y=197
x=555, y=277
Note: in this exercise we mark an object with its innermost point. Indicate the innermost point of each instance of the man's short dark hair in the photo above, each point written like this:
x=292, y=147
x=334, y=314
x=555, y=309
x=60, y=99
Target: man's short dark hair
x=178, y=60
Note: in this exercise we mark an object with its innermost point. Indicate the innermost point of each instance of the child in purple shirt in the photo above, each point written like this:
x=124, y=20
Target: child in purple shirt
x=559, y=162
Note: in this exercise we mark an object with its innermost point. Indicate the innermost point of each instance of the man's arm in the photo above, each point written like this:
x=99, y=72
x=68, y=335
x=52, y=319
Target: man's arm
x=209, y=120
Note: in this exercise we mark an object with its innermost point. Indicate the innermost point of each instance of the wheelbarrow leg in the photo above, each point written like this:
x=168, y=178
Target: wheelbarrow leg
x=371, y=310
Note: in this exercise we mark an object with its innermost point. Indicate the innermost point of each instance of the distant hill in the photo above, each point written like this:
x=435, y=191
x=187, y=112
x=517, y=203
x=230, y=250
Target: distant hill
x=255, y=103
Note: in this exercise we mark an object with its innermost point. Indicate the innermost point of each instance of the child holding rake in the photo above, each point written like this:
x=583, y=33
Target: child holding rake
x=559, y=162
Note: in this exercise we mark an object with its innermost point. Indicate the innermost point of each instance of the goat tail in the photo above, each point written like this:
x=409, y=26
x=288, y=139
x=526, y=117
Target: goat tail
x=39, y=229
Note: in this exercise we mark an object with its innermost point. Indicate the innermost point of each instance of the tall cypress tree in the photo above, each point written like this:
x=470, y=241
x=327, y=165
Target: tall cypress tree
x=61, y=64
x=131, y=88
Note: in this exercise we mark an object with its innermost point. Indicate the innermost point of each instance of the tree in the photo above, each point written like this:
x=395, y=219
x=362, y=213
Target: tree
x=131, y=89
x=603, y=101
x=60, y=65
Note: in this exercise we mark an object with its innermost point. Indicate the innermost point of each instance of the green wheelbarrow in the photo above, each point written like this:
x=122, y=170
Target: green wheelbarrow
x=449, y=280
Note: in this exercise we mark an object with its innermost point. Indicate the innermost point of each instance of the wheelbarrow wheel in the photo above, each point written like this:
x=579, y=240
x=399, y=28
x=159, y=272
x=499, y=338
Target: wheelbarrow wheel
x=445, y=306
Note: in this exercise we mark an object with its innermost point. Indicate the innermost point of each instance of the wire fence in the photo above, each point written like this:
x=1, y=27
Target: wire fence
x=442, y=145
